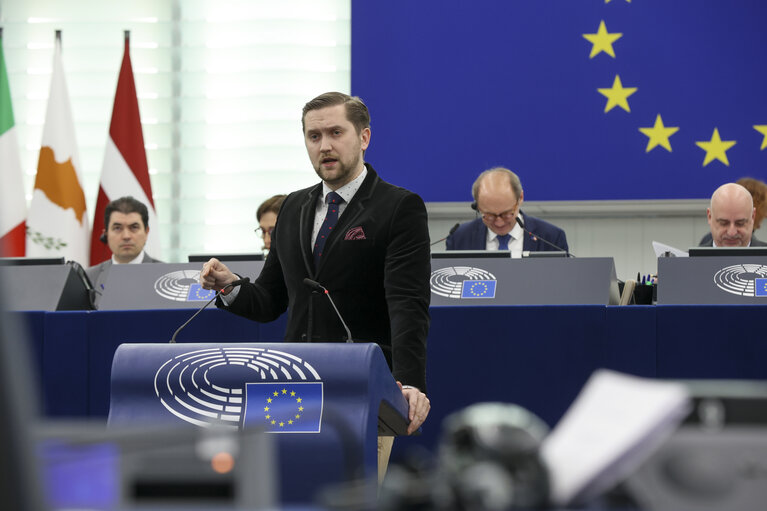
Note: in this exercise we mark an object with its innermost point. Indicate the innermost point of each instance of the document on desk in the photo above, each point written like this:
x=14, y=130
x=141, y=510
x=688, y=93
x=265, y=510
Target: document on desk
x=613, y=425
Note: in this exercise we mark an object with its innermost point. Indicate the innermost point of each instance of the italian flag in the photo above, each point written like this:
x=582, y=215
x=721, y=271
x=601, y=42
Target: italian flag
x=13, y=205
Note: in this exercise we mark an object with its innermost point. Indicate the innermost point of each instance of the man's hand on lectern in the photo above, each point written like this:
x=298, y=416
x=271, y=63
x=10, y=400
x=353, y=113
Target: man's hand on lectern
x=418, y=406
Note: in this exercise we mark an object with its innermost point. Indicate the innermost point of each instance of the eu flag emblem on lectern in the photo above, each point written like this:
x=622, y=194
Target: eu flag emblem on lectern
x=284, y=407
x=198, y=294
x=760, y=288
x=478, y=289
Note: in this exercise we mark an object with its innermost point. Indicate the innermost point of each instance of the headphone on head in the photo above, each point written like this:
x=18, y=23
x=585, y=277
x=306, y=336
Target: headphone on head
x=474, y=205
x=103, y=238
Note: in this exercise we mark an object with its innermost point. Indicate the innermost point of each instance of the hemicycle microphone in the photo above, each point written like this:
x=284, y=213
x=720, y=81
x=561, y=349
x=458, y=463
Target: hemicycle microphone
x=522, y=225
x=319, y=288
x=452, y=230
x=229, y=286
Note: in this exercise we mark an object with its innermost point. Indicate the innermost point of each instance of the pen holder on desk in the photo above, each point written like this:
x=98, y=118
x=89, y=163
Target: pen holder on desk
x=645, y=294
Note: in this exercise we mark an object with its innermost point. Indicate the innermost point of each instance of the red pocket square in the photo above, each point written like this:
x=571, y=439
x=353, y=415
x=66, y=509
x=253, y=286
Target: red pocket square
x=355, y=233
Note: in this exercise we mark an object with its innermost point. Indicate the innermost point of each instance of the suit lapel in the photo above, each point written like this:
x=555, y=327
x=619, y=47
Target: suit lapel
x=306, y=225
x=480, y=236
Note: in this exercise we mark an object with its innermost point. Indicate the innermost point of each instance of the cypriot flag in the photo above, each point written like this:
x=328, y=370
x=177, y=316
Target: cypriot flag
x=58, y=221
x=13, y=205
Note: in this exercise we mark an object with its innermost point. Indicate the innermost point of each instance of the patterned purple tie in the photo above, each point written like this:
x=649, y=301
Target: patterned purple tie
x=333, y=200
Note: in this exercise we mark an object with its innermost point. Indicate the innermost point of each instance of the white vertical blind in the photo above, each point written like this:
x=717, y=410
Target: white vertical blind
x=221, y=85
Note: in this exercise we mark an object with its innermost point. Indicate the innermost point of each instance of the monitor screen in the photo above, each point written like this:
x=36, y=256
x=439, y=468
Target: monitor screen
x=458, y=254
x=30, y=261
x=203, y=258
x=544, y=253
x=727, y=251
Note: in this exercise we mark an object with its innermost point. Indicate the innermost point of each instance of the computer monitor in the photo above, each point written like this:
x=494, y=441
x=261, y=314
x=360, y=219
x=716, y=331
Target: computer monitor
x=30, y=261
x=544, y=253
x=727, y=251
x=48, y=286
x=203, y=258
x=478, y=254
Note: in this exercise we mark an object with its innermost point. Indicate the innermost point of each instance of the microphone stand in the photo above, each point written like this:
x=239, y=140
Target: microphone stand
x=231, y=285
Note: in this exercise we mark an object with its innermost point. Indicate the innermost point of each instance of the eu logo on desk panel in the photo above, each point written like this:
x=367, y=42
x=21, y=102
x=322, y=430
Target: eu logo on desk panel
x=182, y=286
x=198, y=294
x=463, y=282
x=228, y=386
x=761, y=287
x=284, y=408
x=742, y=279
x=478, y=289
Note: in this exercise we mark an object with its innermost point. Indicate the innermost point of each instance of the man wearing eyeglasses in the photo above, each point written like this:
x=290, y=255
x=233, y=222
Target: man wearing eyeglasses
x=501, y=225
x=266, y=216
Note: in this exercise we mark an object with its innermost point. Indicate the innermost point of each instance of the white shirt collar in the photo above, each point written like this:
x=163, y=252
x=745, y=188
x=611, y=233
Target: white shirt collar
x=138, y=259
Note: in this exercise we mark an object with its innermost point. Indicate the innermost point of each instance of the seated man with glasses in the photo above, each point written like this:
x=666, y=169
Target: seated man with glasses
x=501, y=225
x=266, y=215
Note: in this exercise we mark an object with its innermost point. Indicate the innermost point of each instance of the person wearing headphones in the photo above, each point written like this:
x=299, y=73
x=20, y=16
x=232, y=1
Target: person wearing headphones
x=127, y=227
x=501, y=225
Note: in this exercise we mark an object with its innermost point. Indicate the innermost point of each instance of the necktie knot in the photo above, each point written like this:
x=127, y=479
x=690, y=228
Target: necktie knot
x=503, y=241
x=332, y=199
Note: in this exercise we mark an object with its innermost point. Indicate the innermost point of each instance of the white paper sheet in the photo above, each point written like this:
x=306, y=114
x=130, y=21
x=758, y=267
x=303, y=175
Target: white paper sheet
x=615, y=423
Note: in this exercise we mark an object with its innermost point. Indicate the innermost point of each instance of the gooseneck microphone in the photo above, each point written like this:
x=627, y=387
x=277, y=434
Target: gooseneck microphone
x=229, y=286
x=319, y=288
x=452, y=230
x=522, y=225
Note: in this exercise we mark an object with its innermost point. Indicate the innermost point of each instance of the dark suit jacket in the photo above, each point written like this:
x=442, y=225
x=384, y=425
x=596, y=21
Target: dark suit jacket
x=708, y=241
x=378, y=279
x=473, y=236
x=98, y=274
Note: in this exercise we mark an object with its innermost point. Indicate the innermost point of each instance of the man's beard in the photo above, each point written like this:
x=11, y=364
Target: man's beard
x=341, y=174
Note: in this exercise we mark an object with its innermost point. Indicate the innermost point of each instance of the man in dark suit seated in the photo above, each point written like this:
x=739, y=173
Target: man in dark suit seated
x=127, y=227
x=758, y=191
x=731, y=218
x=498, y=197
x=374, y=261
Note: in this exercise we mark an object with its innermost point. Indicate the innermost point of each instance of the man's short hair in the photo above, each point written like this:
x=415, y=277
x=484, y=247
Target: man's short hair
x=516, y=184
x=270, y=205
x=126, y=205
x=356, y=111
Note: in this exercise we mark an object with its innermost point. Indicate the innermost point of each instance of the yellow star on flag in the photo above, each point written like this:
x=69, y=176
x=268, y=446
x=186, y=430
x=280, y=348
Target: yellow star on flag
x=608, y=1
x=617, y=95
x=716, y=148
x=762, y=128
x=658, y=135
x=602, y=41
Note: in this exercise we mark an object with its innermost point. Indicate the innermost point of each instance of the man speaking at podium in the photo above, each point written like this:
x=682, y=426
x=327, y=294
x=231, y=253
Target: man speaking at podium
x=498, y=197
x=363, y=239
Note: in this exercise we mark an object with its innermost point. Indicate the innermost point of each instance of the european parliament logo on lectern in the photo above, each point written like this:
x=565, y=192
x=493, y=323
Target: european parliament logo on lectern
x=282, y=393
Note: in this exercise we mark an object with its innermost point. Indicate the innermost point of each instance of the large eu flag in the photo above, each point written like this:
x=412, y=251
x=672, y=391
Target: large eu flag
x=584, y=99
